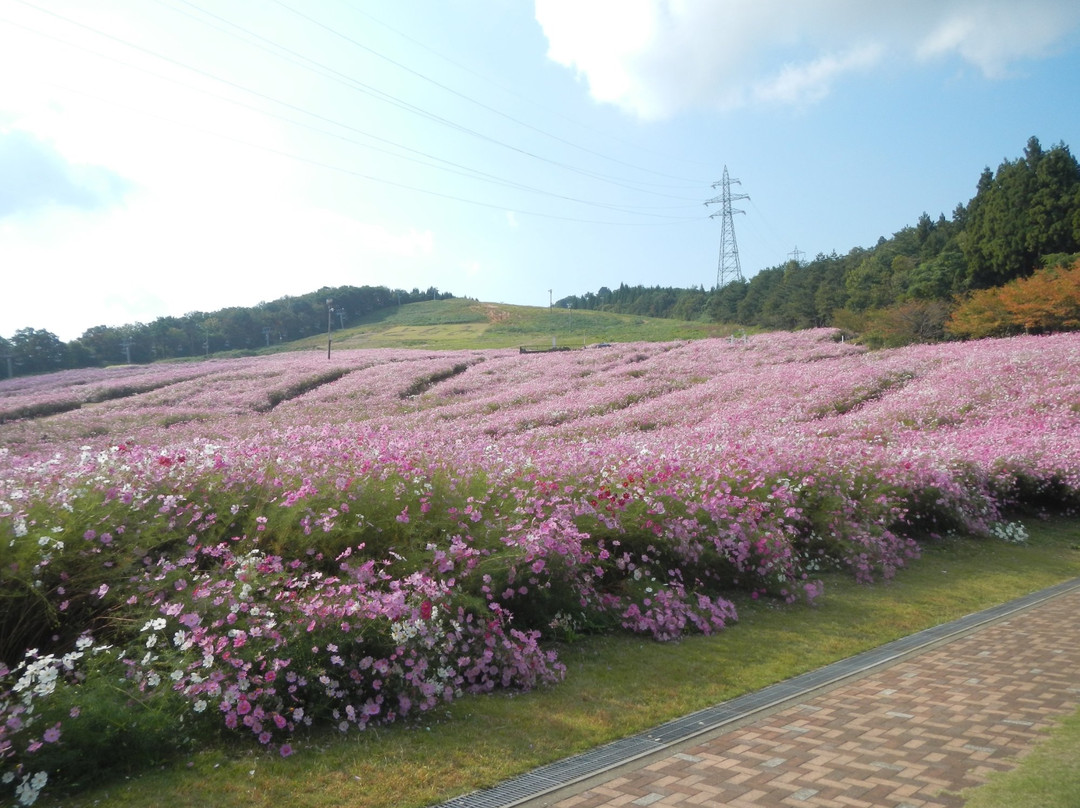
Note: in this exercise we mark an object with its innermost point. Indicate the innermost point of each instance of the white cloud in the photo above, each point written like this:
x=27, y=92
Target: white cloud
x=654, y=58
x=160, y=255
x=34, y=175
x=992, y=35
x=810, y=82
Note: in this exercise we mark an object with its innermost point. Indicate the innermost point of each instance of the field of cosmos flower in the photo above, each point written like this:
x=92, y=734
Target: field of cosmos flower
x=272, y=546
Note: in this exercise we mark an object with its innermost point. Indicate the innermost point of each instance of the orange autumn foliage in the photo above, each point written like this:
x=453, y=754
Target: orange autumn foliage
x=1045, y=302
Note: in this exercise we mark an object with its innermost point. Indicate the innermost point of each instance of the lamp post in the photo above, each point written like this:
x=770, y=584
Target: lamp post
x=329, y=322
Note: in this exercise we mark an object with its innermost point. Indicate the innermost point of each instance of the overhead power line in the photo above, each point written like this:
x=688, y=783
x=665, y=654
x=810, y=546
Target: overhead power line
x=452, y=91
x=530, y=100
x=447, y=164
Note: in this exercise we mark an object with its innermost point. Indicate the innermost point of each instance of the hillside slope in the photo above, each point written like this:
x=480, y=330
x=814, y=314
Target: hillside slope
x=461, y=323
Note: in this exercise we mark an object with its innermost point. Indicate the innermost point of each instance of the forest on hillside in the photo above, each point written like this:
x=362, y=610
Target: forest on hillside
x=238, y=328
x=919, y=284
x=1006, y=262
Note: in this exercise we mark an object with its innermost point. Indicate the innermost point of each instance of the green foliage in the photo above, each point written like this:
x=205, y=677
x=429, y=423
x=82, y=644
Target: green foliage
x=35, y=350
x=50, y=556
x=906, y=324
x=655, y=301
x=901, y=290
x=480, y=742
x=940, y=277
x=117, y=729
x=1025, y=210
x=870, y=284
x=200, y=333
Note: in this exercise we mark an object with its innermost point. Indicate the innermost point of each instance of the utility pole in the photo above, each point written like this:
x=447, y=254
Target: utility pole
x=796, y=255
x=728, y=268
x=266, y=333
x=329, y=322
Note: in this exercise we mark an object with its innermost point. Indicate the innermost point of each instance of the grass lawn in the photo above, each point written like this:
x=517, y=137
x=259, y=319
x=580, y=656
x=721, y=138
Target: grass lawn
x=617, y=686
x=1047, y=778
x=462, y=324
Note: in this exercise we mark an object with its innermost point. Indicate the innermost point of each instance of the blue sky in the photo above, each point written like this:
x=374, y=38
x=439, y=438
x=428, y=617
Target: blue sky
x=164, y=156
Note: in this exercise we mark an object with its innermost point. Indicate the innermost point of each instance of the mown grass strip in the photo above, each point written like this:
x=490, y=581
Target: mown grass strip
x=615, y=686
x=41, y=410
x=425, y=383
x=1047, y=778
x=46, y=408
x=302, y=387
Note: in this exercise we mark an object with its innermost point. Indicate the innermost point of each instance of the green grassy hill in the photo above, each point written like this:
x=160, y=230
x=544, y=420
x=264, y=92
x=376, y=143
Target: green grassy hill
x=462, y=323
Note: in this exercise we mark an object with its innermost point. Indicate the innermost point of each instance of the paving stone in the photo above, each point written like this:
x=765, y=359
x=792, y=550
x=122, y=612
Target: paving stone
x=911, y=736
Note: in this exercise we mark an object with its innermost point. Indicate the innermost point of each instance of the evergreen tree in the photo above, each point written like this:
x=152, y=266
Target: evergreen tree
x=1026, y=210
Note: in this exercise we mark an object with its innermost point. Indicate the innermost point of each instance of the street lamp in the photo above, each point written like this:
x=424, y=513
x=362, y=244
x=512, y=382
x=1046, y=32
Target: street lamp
x=329, y=322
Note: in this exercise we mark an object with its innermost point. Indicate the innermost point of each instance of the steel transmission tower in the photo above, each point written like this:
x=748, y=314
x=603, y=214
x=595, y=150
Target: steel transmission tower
x=728, y=268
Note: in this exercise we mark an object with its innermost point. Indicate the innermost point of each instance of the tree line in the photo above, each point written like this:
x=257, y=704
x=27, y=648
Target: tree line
x=1023, y=217
x=929, y=281
x=197, y=333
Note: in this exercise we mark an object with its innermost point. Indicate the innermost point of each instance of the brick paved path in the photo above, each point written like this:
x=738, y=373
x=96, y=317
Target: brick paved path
x=909, y=736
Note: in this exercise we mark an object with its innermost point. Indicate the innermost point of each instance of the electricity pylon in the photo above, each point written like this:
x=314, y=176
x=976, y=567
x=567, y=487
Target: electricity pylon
x=728, y=268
